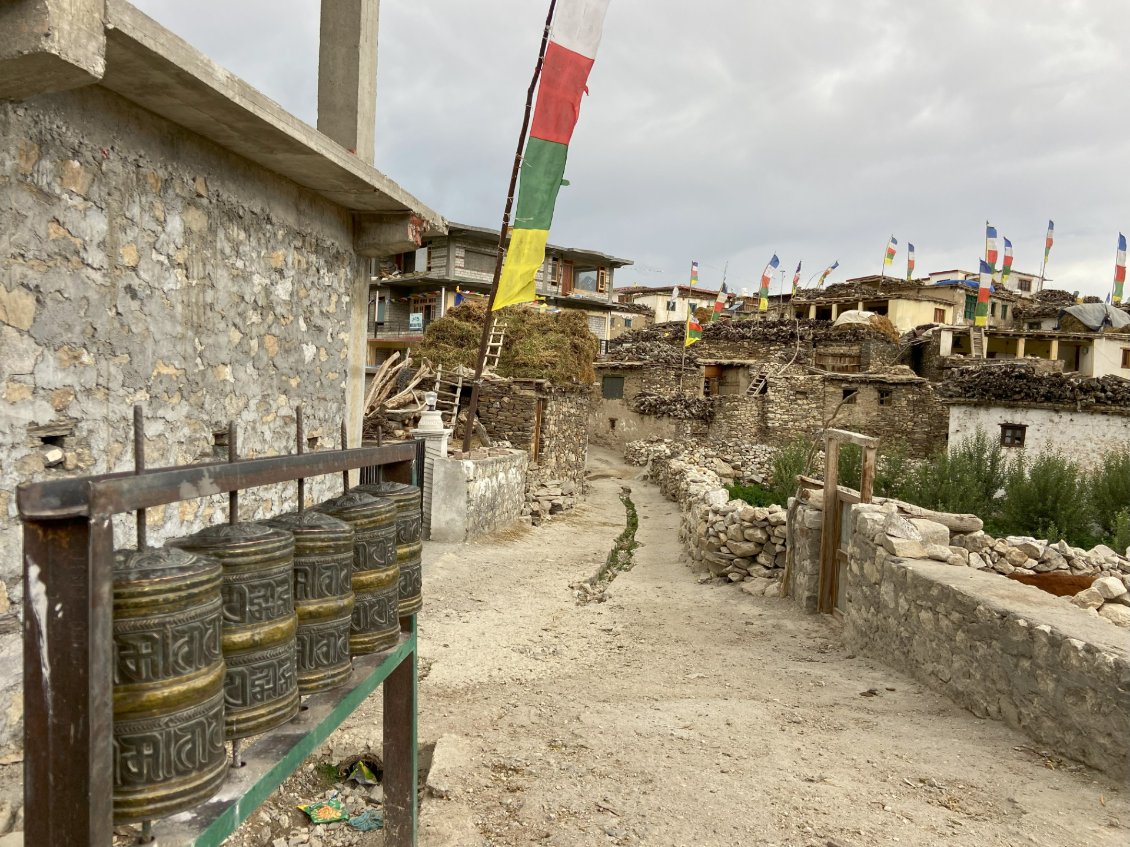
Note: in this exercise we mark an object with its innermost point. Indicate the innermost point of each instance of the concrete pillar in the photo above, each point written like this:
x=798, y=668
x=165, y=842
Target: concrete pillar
x=347, y=74
x=812, y=312
x=1020, y=347
x=1054, y=352
x=435, y=447
x=50, y=45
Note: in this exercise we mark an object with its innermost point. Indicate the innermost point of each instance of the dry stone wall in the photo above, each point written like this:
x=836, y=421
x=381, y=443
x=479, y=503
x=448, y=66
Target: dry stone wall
x=1002, y=649
x=139, y=263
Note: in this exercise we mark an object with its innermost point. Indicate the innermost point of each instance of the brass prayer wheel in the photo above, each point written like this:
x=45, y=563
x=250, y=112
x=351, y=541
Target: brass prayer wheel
x=323, y=597
x=408, y=523
x=376, y=575
x=261, y=685
x=168, y=678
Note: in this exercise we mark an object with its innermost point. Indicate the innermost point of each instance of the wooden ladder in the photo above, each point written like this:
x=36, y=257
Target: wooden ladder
x=757, y=384
x=447, y=396
x=977, y=341
x=494, y=346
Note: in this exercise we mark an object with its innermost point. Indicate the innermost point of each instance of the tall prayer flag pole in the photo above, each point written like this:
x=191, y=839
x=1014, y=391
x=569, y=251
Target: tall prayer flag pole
x=1047, y=252
x=909, y=261
x=981, y=315
x=1119, y=270
x=796, y=277
x=991, y=247
x=568, y=48
x=763, y=299
x=888, y=256
x=694, y=274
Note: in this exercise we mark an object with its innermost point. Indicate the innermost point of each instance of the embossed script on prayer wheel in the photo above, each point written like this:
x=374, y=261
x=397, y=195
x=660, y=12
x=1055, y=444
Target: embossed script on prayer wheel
x=323, y=597
x=168, y=678
x=408, y=522
x=376, y=575
x=260, y=685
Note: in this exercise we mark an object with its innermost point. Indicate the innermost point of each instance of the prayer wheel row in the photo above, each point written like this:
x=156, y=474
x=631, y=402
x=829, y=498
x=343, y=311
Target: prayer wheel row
x=217, y=635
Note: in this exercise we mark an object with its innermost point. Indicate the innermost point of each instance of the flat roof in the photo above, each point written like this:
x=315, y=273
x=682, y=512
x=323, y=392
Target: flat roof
x=159, y=71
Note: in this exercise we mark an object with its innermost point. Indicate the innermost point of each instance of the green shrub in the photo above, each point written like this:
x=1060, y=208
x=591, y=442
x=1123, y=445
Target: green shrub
x=788, y=463
x=963, y=479
x=890, y=470
x=755, y=495
x=1046, y=496
x=1110, y=490
x=1119, y=540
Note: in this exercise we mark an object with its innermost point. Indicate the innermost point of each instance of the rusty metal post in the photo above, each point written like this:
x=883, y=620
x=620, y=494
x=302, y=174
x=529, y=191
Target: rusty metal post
x=68, y=652
x=300, y=426
x=139, y=467
x=400, y=750
x=233, y=454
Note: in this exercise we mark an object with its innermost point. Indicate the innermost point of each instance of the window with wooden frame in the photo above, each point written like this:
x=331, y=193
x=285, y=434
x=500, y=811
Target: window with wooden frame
x=612, y=387
x=939, y=316
x=1126, y=357
x=849, y=395
x=886, y=397
x=1024, y=285
x=1012, y=435
x=554, y=276
x=602, y=280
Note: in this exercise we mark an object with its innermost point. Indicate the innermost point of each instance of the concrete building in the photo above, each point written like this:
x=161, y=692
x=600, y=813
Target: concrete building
x=411, y=290
x=172, y=237
x=907, y=305
x=739, y=305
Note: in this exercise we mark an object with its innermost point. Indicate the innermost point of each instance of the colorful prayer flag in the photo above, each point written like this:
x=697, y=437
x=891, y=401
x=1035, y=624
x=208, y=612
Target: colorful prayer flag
x=909, y=261
x=796, y=278
x=827, y=270
x=991, y=247
x=573, y=41
x=1119, y=270
x=1006, y=267
x=1048, y=241
x=694, y=274
x=719, y=303
x=694, y=330
x=889, y=256
x=763, y=303
x=981, y=316
x=673, y=303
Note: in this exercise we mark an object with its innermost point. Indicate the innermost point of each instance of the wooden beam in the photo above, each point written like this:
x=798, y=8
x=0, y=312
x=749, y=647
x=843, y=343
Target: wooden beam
x=827, y=537
x=850, y=437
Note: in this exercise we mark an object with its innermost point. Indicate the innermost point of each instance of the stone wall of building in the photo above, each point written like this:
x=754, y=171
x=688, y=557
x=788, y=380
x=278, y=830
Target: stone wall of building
x=141, y=264
x=550, y=423
x=999, y=648
x=474, y=497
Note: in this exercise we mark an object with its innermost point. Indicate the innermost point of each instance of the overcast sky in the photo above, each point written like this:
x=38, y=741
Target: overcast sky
x=725, y=130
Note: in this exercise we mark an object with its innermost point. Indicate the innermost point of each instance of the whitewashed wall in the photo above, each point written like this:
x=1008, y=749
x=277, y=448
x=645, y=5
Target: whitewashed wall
x=1082, y=436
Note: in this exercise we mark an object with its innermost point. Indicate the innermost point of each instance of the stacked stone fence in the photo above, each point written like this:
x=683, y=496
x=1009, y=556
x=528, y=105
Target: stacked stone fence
x=473, y=497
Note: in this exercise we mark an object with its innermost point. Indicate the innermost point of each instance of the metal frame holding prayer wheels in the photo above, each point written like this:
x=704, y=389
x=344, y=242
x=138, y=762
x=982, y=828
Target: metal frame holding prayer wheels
x=68, y=712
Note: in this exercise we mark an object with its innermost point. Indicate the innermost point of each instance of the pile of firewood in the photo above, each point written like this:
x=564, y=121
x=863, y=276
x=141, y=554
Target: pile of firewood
x=1020, y=383
x=395, y=387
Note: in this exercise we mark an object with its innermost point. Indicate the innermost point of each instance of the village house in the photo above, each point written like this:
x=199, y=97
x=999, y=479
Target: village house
x=951, y=300
x=1078, y=417
x=410, y=290
x=172, y=237
x=739, y=305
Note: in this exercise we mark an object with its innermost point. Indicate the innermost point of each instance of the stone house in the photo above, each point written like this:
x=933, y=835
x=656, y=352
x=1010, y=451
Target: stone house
x=948, y=299
x=410, y=290
x=169, y=236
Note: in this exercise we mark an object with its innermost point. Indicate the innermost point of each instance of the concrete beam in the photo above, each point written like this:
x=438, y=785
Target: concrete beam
x=50, y=45
x=347, y=74
x=387, y=235
x=155, y=69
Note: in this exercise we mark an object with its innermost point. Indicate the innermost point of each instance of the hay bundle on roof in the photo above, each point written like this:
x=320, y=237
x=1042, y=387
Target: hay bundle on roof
x=558, y=347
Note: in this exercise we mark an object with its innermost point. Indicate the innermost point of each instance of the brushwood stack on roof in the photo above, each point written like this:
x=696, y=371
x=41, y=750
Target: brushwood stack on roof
x=1022, y=384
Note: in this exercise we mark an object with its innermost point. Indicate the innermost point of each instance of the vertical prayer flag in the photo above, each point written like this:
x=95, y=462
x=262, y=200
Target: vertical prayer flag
x=909, y=261
x=796, y=277
x=763, y=302
x=889, y=256
x=673, y=303
x=719, y=303
x=694, y=274
x=694, y=330
x=981, y=316
x=991, y=247
x=1048, y=241
x=827, y=270
x=1119, y=270
x=1006, y=266
x=573, y=41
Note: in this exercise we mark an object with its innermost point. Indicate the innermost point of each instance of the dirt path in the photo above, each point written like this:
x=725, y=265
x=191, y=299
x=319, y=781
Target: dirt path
x=686, y=714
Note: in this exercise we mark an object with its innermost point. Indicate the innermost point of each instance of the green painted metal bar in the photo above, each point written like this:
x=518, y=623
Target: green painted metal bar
x=273, y=758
